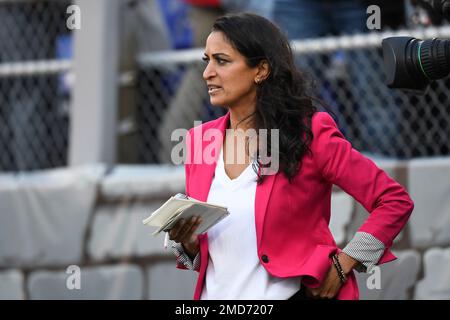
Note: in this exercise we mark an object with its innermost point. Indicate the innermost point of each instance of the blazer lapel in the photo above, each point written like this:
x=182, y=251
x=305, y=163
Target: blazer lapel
x=206, y=170
x=262, y=196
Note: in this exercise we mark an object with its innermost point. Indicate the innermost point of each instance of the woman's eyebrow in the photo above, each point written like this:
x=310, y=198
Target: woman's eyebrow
x=217, y=54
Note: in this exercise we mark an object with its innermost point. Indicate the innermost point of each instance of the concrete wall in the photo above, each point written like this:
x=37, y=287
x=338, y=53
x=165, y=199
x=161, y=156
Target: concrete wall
x=57, y=222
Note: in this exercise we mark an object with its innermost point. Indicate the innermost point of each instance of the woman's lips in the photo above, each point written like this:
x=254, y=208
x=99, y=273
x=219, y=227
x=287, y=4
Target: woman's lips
x=213, y=89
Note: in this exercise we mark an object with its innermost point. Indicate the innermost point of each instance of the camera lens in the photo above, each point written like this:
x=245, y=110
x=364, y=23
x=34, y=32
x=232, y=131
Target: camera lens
x=434, y=58
x=410, y=63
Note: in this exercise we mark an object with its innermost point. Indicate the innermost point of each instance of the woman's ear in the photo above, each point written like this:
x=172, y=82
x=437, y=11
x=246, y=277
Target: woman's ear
x=263, y=70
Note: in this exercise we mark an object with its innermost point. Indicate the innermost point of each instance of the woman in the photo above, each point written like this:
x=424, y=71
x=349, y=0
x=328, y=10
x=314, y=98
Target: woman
x=276, y=243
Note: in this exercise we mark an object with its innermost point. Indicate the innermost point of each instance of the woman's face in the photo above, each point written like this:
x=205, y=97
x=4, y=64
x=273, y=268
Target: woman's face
x=230, y=81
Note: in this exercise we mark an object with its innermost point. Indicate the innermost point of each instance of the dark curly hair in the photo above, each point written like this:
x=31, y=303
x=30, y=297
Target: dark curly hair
x=282, y=99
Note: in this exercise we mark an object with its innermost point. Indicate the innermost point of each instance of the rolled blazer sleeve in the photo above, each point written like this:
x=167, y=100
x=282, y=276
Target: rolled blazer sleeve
x=183, y=261
x=182, y=258
x=386, y=200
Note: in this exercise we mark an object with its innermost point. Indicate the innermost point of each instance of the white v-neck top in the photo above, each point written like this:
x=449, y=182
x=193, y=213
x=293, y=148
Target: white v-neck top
x=234, y=270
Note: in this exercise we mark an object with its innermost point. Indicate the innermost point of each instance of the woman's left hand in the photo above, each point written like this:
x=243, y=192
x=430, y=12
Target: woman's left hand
x=332, y=283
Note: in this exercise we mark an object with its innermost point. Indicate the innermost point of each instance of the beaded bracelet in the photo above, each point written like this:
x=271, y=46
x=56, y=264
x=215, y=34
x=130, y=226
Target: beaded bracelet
x=338, y=267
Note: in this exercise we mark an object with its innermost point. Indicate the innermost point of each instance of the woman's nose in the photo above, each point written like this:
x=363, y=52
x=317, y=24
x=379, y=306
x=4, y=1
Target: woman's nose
x=209, y=71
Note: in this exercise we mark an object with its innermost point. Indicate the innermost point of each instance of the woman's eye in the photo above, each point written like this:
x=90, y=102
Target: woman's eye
x=220, y=61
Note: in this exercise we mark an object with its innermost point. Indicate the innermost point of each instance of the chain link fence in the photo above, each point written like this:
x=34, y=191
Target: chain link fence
x=35, y=46
x=169, y=93
x=348, y=75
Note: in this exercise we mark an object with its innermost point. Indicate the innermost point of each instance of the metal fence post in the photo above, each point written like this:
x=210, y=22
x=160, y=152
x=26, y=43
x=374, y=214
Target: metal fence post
x=93, y=126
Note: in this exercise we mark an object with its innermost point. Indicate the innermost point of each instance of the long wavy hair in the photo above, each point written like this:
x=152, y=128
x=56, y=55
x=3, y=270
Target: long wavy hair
x=283, y=101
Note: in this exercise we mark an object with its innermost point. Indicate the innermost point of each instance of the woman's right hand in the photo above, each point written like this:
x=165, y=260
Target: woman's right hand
x=183, y=232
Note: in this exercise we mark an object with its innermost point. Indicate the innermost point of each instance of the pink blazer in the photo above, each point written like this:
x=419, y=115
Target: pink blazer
x=292, y=220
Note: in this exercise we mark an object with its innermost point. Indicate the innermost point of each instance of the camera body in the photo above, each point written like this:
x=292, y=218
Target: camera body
x=438, y=9
x=411, y=63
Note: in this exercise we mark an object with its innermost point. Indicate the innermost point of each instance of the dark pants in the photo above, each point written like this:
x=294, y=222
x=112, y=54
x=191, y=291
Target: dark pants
x=301, y=295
